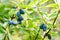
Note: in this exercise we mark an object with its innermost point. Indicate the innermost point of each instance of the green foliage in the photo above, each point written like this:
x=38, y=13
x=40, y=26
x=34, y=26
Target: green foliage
x=36, y=12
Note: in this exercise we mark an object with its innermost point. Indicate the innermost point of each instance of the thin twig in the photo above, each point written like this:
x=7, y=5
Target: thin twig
x=56, y=17
x=46, y=34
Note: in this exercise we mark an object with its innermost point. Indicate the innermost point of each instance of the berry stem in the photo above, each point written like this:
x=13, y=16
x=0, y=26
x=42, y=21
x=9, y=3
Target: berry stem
x=12, y=17
x=46, y=34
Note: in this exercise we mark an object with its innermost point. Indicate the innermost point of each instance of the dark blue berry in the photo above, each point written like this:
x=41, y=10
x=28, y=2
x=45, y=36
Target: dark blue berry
x=20, y=19
x=18, y=14
x=21, y=11
x=43, y=26
x=49, y=36
x=10, y=22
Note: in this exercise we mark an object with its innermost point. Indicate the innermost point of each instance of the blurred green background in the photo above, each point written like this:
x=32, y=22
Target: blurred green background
x=36, y=13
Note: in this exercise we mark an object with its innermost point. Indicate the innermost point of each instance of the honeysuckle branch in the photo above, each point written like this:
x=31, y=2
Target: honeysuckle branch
x=41, y=15
x=53, y=25
x=39, y=28
x=56, y=17
x=46, y=23
x=46, y=34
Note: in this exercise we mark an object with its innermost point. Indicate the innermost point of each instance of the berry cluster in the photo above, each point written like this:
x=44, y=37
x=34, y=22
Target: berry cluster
x=20, y=18
x=18, y=14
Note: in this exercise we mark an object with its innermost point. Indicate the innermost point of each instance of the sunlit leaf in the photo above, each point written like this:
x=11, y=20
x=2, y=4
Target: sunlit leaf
x=31, y=4
x=42, y=2
x=52, y=5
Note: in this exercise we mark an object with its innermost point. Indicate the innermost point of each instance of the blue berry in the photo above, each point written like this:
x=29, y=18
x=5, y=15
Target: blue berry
x=43, y=26
x=15, y=23
x=20, y=18
x=10, y=22
x=49, y=36
x=18, y=14
x=21, y=11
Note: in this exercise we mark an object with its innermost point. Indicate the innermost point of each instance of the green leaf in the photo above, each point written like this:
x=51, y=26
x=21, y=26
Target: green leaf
x=49, y=5
x=31, y=4
x=2, y=8
x=2, y=29
x=30, y=25
x=23, y=6
x=42, y=2
x=52, y=5
x=50, y=25
x=53, y=15
x=11, y=12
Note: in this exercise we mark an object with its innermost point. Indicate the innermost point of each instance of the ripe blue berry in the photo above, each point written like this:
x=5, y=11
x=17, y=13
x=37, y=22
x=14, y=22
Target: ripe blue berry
x=20, y=18
x=15, y=23
x=18, y=14
x=49, y=36
x=43, y=26
x=21, y=11
x=10, y=22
